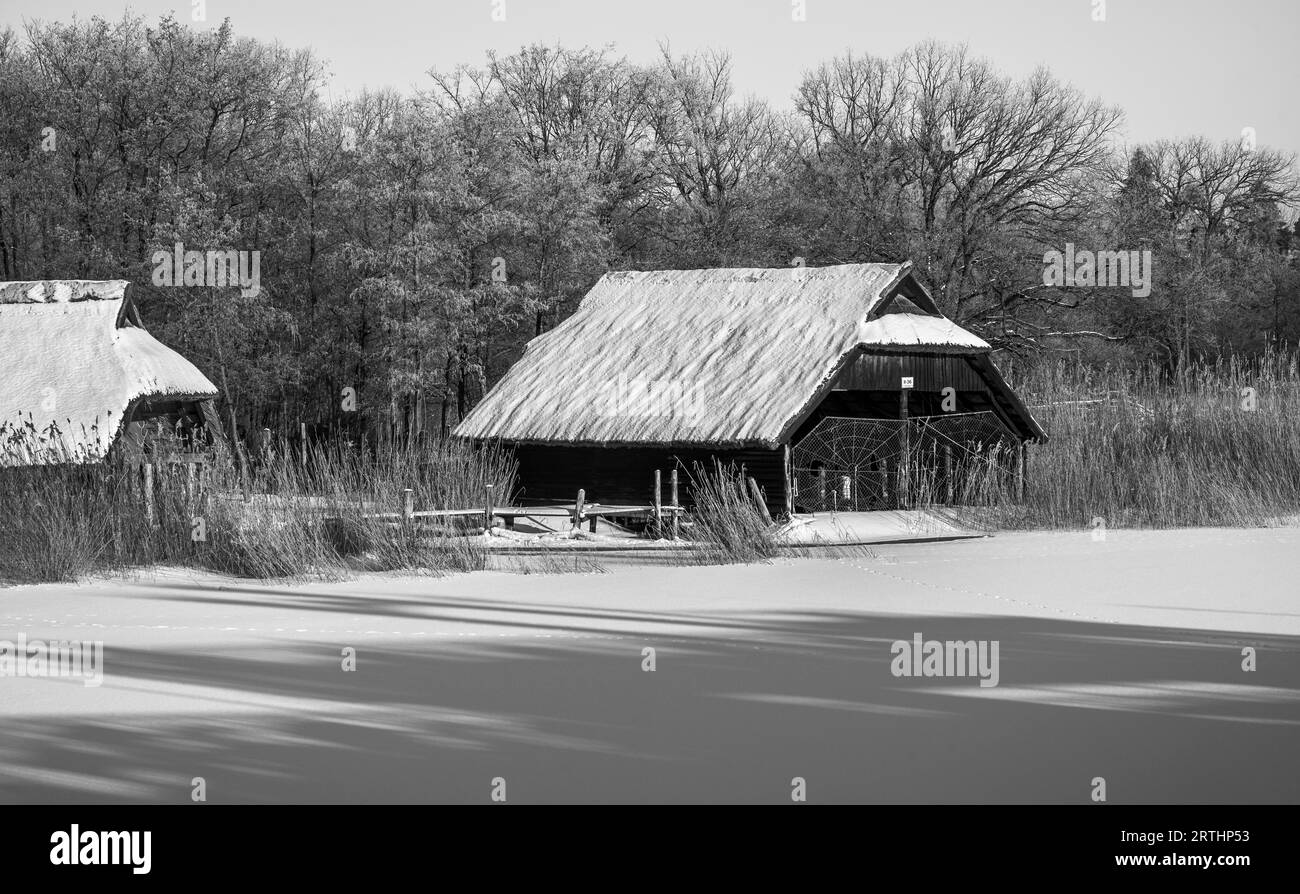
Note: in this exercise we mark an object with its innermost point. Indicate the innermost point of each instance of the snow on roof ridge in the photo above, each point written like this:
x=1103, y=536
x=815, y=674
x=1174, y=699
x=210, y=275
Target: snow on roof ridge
x=918, y=330
x=726, y=273
x=62, y=291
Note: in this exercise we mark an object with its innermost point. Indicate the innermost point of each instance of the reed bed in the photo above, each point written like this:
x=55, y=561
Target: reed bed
x=282, y=515
x=1218, y=445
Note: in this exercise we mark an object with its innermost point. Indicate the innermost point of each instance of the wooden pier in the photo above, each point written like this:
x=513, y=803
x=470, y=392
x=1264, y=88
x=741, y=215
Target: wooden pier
x=661, y=518
x=590, y=513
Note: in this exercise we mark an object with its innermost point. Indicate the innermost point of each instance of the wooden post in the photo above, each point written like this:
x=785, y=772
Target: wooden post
x=487, y=508
x=789, y=481
x=148, y=493
x=659, y=508
x=302, y=429
x=757, y=493
x=408, y=505
x=907, y=445
x=677, y=506
x=577, y=508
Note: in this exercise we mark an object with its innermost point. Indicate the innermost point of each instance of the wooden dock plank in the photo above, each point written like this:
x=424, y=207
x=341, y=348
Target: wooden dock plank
x=589, y=510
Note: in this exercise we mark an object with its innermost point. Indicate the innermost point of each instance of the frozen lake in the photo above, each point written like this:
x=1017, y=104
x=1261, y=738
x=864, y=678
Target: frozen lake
x=1121, y=659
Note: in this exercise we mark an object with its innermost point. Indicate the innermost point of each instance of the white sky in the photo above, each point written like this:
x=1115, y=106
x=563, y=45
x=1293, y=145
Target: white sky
x=1177, y=67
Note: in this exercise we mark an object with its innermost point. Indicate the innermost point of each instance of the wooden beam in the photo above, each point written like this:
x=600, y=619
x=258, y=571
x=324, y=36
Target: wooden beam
x=789, y=481
x=757, y=493
x=1020, y=419
x=906, y=454
x=577, y=508
x=658, y=505
x=677, y=511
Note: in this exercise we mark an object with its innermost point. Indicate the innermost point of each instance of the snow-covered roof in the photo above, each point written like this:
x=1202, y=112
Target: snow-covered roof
x=708, y=357
x=72, y=356
x=919, y=331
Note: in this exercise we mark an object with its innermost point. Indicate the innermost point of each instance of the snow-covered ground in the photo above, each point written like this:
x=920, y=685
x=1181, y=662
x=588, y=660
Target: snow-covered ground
x=870, y=527
x=1120, y=659
x=883, y=526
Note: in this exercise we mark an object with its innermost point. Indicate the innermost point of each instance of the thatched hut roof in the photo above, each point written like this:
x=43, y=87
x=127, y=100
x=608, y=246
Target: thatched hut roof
x=713, y=357
x=73, y=355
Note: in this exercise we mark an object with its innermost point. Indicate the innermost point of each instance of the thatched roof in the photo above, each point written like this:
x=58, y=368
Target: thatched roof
x=74, y=355
x=708, y=357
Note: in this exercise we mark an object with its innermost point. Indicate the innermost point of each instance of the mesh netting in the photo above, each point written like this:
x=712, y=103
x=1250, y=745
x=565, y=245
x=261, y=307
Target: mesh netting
x=853, y=465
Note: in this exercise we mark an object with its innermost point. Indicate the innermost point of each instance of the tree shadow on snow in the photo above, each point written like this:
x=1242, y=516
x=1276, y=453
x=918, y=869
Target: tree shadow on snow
x=736, y=708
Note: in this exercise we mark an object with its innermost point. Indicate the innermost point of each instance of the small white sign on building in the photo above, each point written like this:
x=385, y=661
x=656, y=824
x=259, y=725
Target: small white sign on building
x=907, y=381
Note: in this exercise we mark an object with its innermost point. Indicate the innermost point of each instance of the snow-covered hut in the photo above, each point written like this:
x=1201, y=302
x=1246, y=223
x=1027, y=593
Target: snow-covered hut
x=79, y=375
x=835, y=387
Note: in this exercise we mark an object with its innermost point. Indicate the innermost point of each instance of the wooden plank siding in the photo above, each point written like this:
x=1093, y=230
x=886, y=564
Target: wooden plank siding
x=553, y=473
x=874, y=380
x=884, y=372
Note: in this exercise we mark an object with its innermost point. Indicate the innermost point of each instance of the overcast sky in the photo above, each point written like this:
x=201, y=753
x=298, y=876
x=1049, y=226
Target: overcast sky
x=1177, y=67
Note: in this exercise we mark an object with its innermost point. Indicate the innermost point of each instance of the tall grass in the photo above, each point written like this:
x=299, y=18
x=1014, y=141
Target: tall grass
x=727, y=524
x=286, y=518
x=1139, y=448
x=1136, y=448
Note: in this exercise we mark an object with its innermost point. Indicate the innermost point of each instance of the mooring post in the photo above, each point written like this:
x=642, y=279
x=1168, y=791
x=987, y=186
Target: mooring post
x=677, y=507
x=789, y=481
x=577, y=508
x=148, y=493
x=658, y=507
x=487, y=508
x=903, y=482
x=408, y=505
x=757, y=493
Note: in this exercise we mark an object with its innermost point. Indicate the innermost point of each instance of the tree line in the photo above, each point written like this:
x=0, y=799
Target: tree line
x=410, y=244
